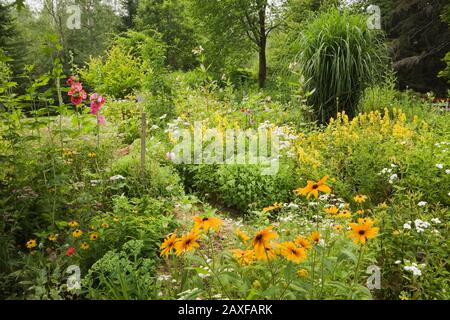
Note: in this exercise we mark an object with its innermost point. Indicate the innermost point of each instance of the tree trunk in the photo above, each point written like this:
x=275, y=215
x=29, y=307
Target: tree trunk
x=262, y=47
x=262, y=64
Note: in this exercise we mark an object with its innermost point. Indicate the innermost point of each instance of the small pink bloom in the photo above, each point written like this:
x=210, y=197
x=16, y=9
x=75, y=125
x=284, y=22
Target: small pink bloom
x=74, y=88
x=76, y=93
x=97, y=102
x=101, y=120
x=170, y=156
x=71, y=79
x=70, y=251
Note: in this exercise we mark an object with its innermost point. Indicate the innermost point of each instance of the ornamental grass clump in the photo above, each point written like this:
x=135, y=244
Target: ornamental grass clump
x=340, y=58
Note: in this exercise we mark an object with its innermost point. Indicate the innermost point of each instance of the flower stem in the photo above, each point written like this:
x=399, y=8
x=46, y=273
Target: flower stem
x=361, y=252
x=270, y=266
x=216, y=275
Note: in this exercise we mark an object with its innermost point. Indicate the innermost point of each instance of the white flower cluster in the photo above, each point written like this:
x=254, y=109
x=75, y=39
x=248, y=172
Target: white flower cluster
x=421, y=225
x=440, y=166
x=287, y=218
x=291, y=205
x=117, y=177
x=422, y=203
x=388, y=172
x=415, y=269
x=436, y=220
x=164, y=277
x=442, y=144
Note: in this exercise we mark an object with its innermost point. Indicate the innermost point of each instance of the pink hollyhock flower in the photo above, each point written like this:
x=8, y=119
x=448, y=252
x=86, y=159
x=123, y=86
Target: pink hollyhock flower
x=78, y=99
x=76, y=93
x=97, y=102
x=70, y=80
x=70, y=251
x=101, y=120
x=74, y=88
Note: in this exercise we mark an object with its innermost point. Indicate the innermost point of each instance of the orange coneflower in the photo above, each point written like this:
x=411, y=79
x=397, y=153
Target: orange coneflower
x=242, y=235
x=344, y=214
x=207, y=222
x=361, y=231
x=293, y=253
x=313, y=188
x=267, y=254
x=73, y=224
x=315, y=236
x=368, y=221
x=77, y=233
x=360, y=198
x=275, y=206
x=31, y=244
x=84, y=246
x=332, y=210
x=186, y=243
x=168, y=244
x=303, y=242
x=244, y=257
x=262, y=240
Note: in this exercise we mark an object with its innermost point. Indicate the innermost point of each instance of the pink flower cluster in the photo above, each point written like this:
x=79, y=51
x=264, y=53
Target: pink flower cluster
x=77, y=95
x=76, y=92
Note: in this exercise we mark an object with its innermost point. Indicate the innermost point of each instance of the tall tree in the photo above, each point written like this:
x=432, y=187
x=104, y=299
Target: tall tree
x=169, y=18
x=253, y=19
x=6, y=25
x=419, y=40
x=11, y=43
x=130, y=8
x=92, y=36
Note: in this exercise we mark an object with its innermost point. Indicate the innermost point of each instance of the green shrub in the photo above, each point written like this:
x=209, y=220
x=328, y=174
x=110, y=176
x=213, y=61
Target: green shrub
x=125, y=274
x=118, y=76
x=243, y=186
x=159, y=180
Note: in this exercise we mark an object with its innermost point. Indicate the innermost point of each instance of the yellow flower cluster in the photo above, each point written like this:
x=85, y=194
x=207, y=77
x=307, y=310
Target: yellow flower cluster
x=263, y=247
x=189, y=241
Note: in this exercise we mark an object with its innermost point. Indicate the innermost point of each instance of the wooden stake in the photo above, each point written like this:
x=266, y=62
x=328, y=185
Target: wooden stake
x=143, y=138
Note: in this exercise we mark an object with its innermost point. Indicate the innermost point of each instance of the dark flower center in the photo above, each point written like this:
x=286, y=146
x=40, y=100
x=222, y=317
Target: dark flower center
x=362, y=232
x=205, y=219
x=259, y=237
x=315, y=186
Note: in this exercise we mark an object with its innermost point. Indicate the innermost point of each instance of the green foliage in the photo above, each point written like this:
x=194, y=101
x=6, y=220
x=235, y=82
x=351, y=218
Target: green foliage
x=158, y=179
x=446, y=72
x=341, y=56
x=125, y=274
x=242, y=186
x=119, y=76
x=168, y=17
